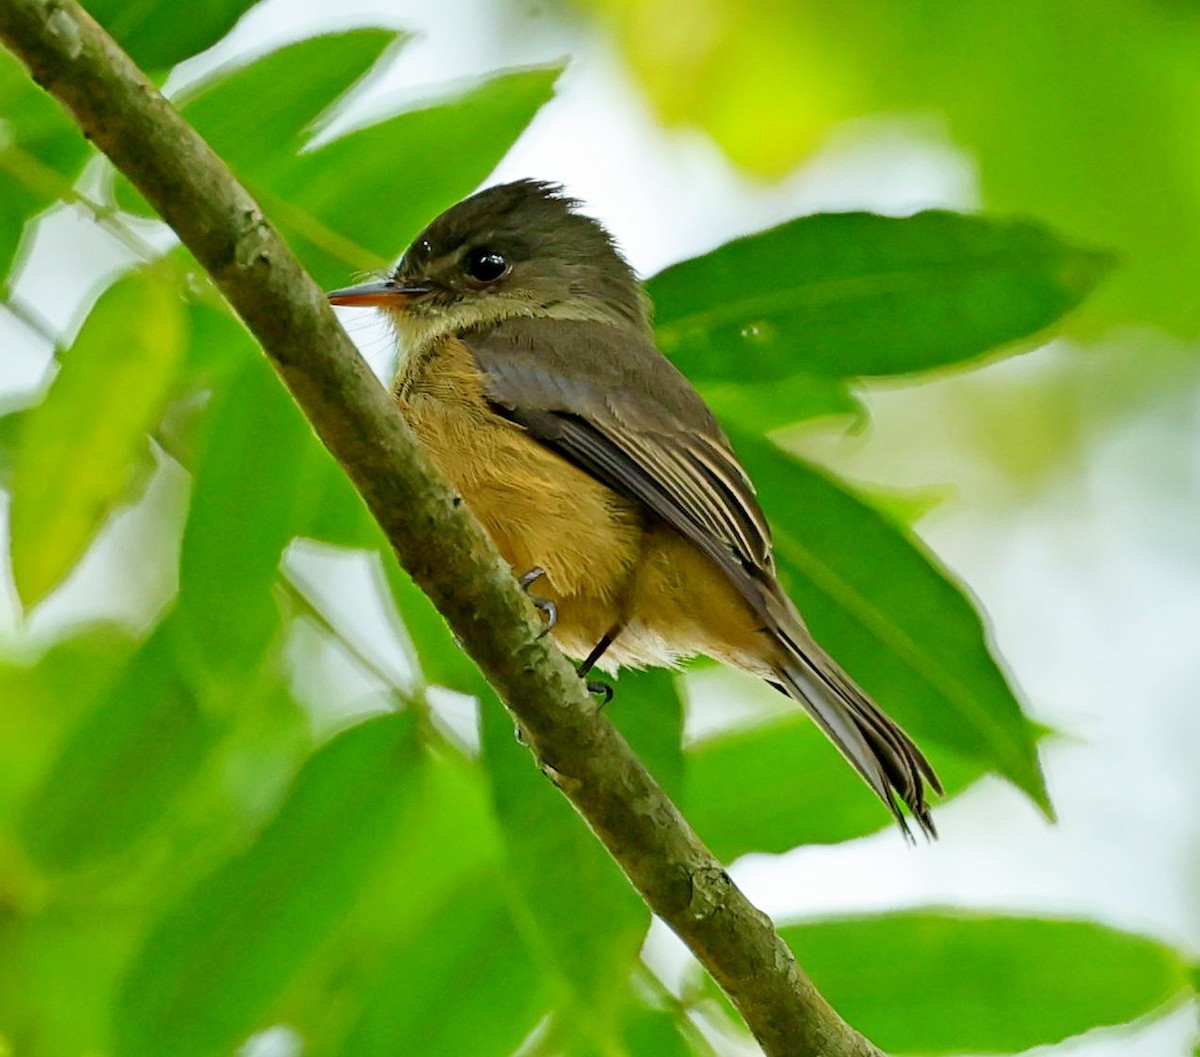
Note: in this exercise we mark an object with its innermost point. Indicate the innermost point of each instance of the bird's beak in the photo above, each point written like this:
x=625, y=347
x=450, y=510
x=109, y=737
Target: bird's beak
x=385, y=293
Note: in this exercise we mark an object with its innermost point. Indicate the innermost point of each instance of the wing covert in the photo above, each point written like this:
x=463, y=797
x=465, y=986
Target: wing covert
x=632, y=421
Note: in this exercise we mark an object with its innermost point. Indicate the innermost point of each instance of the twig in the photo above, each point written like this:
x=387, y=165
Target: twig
x=435, y=537
x=41, y=178
x=31, y=319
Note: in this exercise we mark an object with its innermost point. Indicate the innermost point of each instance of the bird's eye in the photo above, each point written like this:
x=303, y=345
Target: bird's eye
x=485, y=266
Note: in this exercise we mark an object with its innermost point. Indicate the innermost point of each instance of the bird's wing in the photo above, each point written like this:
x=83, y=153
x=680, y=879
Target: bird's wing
x=606, y=400
x=625, y=415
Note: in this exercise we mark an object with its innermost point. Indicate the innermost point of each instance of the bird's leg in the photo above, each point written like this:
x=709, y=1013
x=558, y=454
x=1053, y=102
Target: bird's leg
x=598, y=651
x=544, y=606
x=594, y=686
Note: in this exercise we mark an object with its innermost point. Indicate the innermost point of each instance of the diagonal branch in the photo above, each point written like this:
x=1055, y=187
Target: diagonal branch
x=436, y=539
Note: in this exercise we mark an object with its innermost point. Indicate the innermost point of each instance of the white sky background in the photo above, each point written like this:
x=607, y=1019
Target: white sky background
x=1089, y=583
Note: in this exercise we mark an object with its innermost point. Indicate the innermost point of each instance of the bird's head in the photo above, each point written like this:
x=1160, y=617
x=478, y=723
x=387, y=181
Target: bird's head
x=515, y=250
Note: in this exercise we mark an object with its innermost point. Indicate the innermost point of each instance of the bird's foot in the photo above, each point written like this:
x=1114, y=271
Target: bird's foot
x=544, y=606
x=599, y=689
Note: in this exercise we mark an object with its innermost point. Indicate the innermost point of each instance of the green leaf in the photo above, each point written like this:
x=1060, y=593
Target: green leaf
x=156, y=36
x=656, y=1033
x=470, y=948
x=17, y=205
x=11, y=425
x=775, y=786
x=292, y=87
x=648, y=709
x=941, y=982
x=44, y=701
x=209, y=971
x=341, y=517
x=251, y=494
x=1062, y=122
x=390, y=921
x=881, y=605
x=769, y=406
x=349, y=187
x=65, y=940
x=337, y=203
x=134, y=754
x=57, y=968
x=848, y=294
x=41, y=151
x=78, y=449
x=586, y=920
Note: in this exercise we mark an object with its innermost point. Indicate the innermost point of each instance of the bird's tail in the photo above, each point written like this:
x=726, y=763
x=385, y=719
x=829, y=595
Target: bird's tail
x=878, y=749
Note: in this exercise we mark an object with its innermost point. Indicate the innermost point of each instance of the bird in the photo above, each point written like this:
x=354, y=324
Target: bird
x=529, y=372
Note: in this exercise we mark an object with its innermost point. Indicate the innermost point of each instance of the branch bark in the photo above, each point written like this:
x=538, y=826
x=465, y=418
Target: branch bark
x=436, y=539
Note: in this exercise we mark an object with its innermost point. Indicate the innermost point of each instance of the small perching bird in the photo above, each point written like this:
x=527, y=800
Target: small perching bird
x=530, y=373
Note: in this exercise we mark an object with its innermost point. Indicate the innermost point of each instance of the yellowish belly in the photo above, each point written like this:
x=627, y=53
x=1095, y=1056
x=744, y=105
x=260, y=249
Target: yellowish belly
x=608, y=563
x=539, y=509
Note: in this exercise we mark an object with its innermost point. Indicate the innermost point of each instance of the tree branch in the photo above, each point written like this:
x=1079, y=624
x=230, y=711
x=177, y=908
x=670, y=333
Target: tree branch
x=436, y=539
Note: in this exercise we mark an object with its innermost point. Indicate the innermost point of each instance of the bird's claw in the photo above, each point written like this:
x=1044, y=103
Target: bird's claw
x=599, y=689
x=544, y=606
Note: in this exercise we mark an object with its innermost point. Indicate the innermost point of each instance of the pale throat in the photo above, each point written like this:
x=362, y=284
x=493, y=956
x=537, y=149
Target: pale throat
x=417, y=331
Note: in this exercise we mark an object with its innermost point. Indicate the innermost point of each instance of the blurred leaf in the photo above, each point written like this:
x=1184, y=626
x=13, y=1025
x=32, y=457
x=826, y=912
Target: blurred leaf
x=939, y=982
x=217, y=348
x=648, y=709
x=17, y=205
x=78, y=448
x=133, y=755
x=155, y=35
x=655, y=1033
x=1079, y=93
x=589, y=932
x=772, y=405
x=462, y=983
x=453, y=799
x=906, y=507
x=1063, y=122
x=57, y=969
x=764, y=85
x=337, y=203
x=210, y=970
x=218, y=345
x=250, y=496
x=378, y=186
x=65, y=940
x=847, y=294
x=583, y=916
x=291, y=86
x=443, y=661
x=339, y=516
x=44, y=700
x=11, y=426
x=41, y=151
x=773, y=787
x=389, y=921
x=879, y=604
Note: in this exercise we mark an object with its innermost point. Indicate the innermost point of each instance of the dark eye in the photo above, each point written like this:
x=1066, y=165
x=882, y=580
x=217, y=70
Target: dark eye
x=485, y=266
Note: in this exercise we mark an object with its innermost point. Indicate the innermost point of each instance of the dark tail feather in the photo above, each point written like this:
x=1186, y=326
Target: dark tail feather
x=878, y=749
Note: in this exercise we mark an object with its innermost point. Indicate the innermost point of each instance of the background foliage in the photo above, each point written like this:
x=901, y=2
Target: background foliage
x=195, y=845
